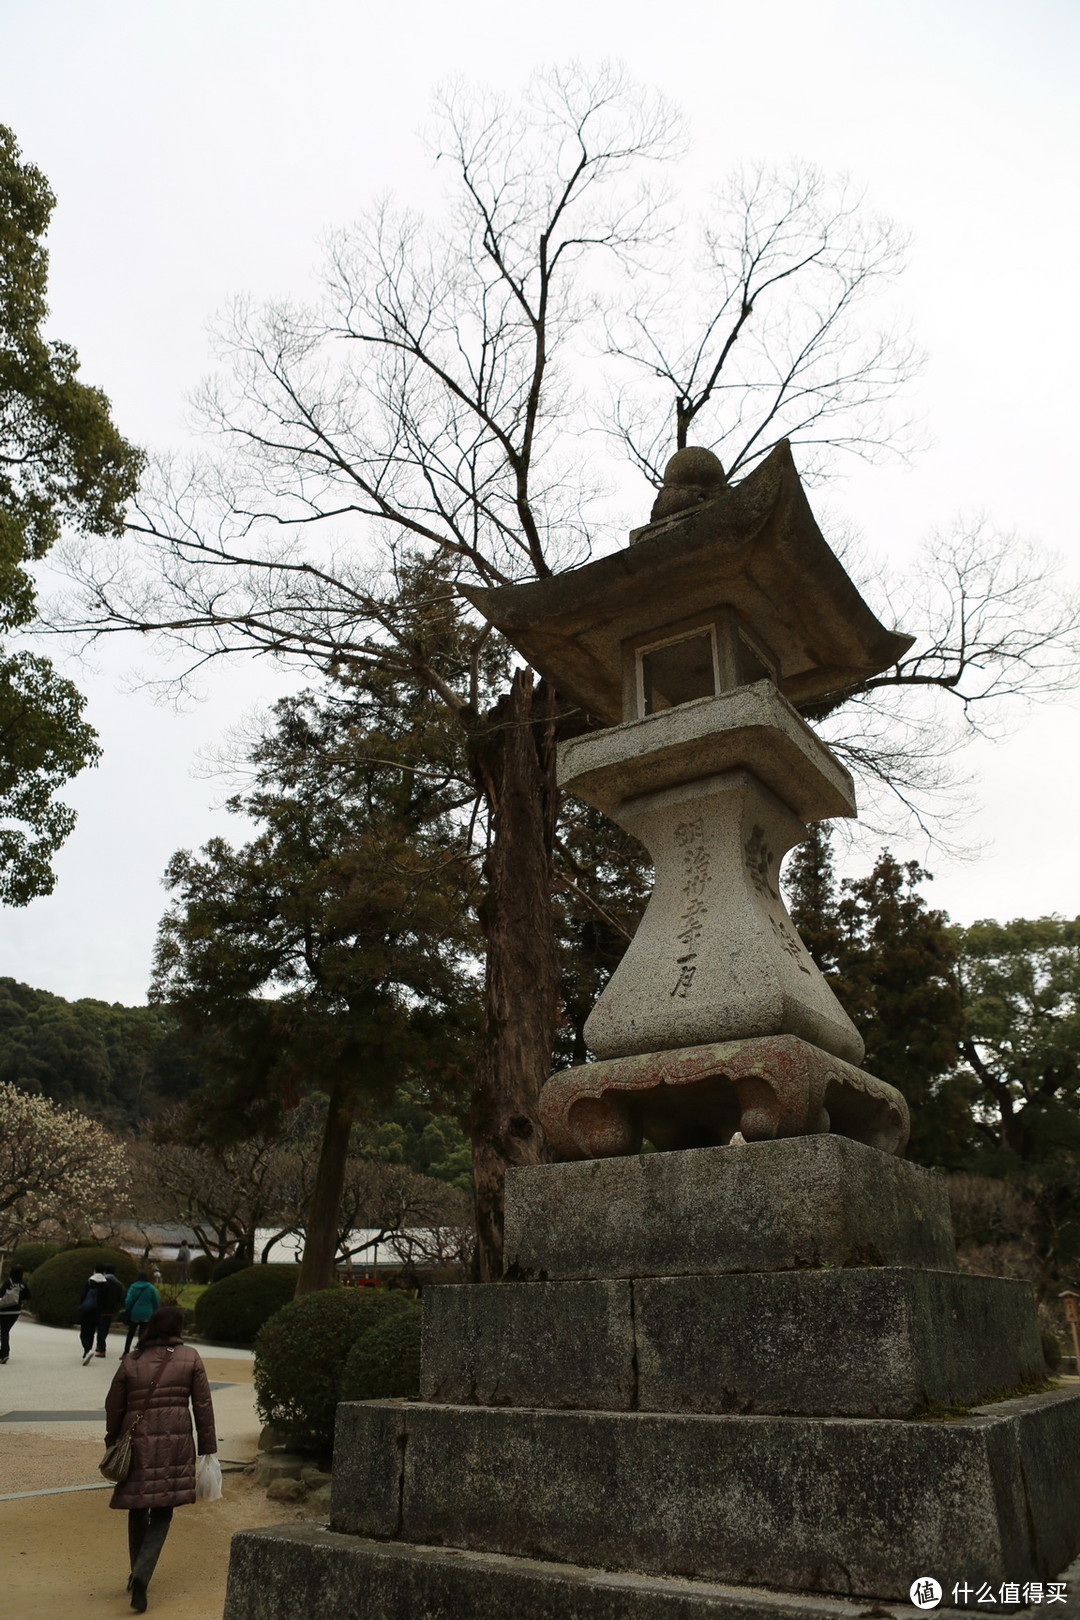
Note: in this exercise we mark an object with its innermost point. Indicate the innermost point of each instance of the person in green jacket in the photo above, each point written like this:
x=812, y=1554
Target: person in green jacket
x=140, y=1303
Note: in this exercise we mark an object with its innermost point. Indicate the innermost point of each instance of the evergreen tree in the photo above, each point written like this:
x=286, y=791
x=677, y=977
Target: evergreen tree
x=62, y=461
x=810, y=888
x=890, y=961
x=603, y=879
x=897, y=980
x=1020, y=987
x=118, y=1064
x=334, y=950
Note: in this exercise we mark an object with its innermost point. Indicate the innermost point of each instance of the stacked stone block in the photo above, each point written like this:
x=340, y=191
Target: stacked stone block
x=710, y=1378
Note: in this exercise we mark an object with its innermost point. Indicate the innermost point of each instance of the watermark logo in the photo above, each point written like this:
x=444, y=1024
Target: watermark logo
x=1010, y=1593
x=926, y=1593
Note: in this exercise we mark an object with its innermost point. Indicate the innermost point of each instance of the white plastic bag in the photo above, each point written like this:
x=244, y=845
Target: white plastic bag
x=208, y=1479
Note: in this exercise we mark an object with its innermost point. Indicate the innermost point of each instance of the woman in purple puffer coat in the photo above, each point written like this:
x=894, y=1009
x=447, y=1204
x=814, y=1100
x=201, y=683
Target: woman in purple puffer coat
x=163, y=1455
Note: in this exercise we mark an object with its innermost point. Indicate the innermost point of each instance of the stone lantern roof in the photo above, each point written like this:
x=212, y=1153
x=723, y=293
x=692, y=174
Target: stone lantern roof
x=752, y=552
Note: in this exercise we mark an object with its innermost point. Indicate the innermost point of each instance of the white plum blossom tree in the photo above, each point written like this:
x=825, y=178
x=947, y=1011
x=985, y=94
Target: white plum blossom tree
x=57, y=1167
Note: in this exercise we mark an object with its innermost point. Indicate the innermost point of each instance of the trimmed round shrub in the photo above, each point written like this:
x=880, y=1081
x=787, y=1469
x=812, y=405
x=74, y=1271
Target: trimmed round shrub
x=300, y=1356
x=384, y=1363
x=200, y=1270
x=234, y=1309
x=32, y=1255
x=57, y=1285
x=228, y=1267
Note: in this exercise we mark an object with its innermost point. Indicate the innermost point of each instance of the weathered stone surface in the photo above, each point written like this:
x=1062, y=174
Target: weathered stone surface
x=367, y=1462
x=763, y=1206
x=318, y=1502
x=716, y=956
x=287, y=1490
x=751, y=728
x=530, y=1344
x=856, y=1506
x=858, y=1342
x=271, y=1465
x=298, y=1570
x=692, y=475
x=771, y=1087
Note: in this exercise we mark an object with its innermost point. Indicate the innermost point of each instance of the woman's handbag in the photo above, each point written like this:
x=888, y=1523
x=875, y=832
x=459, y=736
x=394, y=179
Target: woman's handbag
x=116, y=1463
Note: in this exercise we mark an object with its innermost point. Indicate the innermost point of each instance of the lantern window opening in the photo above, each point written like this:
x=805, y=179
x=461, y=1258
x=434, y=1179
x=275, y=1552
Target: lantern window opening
x=752, y=662
x=678, y=669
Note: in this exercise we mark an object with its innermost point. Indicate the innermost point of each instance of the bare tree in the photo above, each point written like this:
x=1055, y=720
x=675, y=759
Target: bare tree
x=445, y=1247
x=435, y=402
x=390, y=1200
x=379, y=1198
x=223, y=1194
x=1000, y=627
x=770, y=332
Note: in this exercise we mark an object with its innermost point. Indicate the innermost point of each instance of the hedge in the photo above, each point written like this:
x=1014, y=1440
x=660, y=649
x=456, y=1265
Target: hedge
x=233, y=1310
x=56, y=1286
x=32, y=1255
x=384, y=1363
x=228, y=1267
x=300, y=1356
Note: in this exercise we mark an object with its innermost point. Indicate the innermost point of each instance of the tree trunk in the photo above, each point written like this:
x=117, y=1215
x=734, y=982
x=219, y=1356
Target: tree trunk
x=320, y=1239
x=514, y=759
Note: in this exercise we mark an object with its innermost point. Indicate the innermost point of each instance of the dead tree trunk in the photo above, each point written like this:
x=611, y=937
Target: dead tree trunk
x=514, y=760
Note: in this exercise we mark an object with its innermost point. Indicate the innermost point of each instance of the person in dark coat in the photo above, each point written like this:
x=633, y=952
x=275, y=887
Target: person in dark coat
x=110, y=1299
x=88, y=1312
x=13, y=1293
x=162, y=1473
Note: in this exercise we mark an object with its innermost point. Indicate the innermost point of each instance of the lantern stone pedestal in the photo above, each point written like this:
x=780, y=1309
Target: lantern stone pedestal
x=738, y=1365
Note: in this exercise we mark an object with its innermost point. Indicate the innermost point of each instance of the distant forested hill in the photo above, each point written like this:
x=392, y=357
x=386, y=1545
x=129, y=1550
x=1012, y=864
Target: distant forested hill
x=120, y=1064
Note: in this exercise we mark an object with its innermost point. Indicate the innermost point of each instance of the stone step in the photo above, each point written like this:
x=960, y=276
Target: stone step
x=854, y=1505
x=302, y=1569
x=873, y=1342
x=788, y=1205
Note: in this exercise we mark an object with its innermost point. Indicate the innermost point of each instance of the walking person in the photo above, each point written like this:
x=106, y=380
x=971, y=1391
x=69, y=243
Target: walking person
x=156, y=1382
x=87, y=1312
x=12, y=1295
x=183, y=1260
x=110, y=1298
x=140, y=1303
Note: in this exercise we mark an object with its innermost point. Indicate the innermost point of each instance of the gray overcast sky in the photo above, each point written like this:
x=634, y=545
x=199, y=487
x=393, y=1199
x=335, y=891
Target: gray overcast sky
x=199, y=150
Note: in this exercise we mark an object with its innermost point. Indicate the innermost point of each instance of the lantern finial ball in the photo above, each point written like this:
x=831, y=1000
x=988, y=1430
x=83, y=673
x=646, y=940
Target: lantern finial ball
x=691, y=477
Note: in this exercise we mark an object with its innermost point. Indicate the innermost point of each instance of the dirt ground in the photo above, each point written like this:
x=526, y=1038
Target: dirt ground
x=67, y=1554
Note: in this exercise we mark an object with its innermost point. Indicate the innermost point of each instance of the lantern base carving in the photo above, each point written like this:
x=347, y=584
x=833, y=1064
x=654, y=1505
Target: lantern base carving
x=701, y=1096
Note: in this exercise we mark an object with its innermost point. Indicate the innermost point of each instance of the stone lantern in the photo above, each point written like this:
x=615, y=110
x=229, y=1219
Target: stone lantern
x=702, y=1386
x=693, y=646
